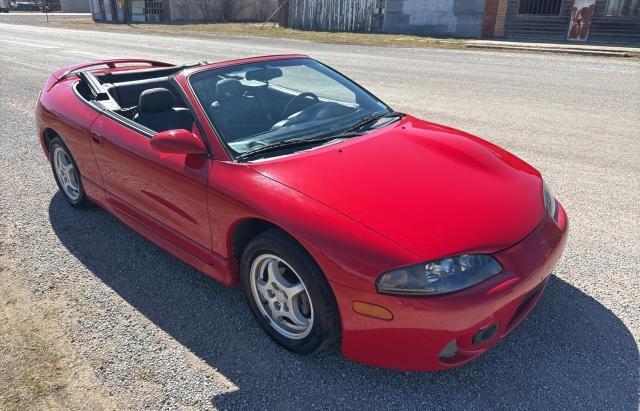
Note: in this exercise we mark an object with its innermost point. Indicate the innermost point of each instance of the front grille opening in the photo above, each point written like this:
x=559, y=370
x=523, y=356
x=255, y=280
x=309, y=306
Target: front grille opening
x=525, y=305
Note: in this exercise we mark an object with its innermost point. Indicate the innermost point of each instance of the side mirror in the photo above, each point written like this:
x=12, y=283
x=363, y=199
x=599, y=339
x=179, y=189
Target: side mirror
x=178, y=142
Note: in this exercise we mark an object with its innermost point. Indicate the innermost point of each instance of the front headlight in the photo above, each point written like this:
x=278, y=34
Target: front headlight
x=439, y=276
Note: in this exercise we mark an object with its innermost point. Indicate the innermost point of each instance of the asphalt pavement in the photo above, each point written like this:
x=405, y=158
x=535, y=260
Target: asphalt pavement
x=158, y=334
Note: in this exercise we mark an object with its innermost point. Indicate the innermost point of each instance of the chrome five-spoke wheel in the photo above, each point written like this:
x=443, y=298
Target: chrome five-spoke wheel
x=66, y=173
x=281, y=296
x=288, y=293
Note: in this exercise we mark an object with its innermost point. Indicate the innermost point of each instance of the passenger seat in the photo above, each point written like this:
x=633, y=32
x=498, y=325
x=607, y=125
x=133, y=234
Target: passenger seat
x=157, y=111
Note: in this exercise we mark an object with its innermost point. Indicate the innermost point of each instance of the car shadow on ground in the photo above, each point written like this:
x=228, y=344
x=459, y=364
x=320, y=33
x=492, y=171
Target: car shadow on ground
x=571, y=352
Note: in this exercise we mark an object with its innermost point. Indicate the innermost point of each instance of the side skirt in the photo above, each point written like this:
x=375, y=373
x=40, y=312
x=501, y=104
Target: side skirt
x=221, y=269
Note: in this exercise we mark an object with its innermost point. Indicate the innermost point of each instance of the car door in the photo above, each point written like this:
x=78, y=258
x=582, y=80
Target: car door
x=164, y=192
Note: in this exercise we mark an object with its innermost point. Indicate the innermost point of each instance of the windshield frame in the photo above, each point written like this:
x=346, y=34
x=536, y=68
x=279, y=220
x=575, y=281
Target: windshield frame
x=233, y=154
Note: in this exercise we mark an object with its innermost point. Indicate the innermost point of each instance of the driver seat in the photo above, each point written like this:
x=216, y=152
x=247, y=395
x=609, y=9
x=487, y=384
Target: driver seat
x=236, y=113
x=157, y=111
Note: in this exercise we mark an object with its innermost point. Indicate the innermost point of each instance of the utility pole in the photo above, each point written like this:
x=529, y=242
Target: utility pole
x=282, y=4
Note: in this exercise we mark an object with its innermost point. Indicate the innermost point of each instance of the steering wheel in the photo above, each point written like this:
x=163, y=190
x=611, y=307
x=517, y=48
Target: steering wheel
x=296, y=99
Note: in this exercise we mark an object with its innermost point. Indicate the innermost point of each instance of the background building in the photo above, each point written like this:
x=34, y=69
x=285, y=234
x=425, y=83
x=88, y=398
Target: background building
x=598, y=21
x=610, y=21
x=442, y=17
x=156, y=11
x=74, y=6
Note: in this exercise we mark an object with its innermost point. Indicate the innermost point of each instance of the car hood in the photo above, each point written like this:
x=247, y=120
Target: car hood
x=433, y=190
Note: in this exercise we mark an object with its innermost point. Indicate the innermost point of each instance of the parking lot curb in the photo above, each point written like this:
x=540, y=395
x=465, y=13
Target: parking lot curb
x=558, y=50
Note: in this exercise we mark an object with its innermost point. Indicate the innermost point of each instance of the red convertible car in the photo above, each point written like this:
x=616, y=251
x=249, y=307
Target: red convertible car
x=418, y=245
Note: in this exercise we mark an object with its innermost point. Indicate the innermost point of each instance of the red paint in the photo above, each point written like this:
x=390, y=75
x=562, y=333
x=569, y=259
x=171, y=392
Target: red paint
x=401, y=195
x=73, y=121
x=423, y=326
x=400, y=169
x=178, y=142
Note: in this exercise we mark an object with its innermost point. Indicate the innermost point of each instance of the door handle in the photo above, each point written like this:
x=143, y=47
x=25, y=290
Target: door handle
x=96, y=138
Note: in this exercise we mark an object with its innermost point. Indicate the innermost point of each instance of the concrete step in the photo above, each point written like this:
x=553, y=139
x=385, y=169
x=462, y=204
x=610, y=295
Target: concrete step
x=554, y=48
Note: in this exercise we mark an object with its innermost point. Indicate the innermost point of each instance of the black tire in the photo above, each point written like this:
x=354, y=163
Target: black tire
x=82, y=201
x=325, y=328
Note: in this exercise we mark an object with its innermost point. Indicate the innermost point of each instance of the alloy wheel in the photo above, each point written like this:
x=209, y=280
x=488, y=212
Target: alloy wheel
x=66, y=173
x=281, y=296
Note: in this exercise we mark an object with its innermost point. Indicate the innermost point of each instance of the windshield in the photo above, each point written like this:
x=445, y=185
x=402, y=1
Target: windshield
x=261, y=104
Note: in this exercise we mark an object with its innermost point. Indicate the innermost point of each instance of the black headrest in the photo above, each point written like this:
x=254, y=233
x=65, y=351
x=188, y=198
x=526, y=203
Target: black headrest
x=263, y=74
x=155, y=100
x=228, y=89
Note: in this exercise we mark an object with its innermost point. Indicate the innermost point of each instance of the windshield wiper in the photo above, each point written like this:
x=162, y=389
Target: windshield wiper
x=370, y=119
x=296, y=142
x=301, y=141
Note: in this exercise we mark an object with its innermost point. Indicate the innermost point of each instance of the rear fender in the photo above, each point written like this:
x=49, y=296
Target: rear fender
x=62, y=111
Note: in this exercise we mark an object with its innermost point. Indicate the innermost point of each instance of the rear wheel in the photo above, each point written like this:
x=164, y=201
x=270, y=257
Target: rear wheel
x=288, y=293
x=67, y=174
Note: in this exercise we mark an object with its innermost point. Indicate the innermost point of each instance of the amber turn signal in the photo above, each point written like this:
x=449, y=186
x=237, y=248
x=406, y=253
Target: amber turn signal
x=371, y=310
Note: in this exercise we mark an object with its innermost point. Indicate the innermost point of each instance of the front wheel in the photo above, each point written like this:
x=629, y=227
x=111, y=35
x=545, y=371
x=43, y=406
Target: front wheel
x=288, y=293
x=67, y=174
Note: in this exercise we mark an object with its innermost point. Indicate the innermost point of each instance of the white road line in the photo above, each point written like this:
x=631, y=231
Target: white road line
x=20, y=63
x=83, y=53
x=26, y=43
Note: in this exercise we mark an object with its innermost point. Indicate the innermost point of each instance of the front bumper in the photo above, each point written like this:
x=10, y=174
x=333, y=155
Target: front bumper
x=434, y=333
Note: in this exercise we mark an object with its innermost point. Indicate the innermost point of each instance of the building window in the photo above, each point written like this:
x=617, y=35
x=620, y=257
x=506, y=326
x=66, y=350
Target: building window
x=623, y=8
x=153, y=10
x=540, y=7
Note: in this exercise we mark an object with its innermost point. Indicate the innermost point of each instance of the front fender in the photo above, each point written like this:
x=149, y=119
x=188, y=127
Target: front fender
x=348, y=252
